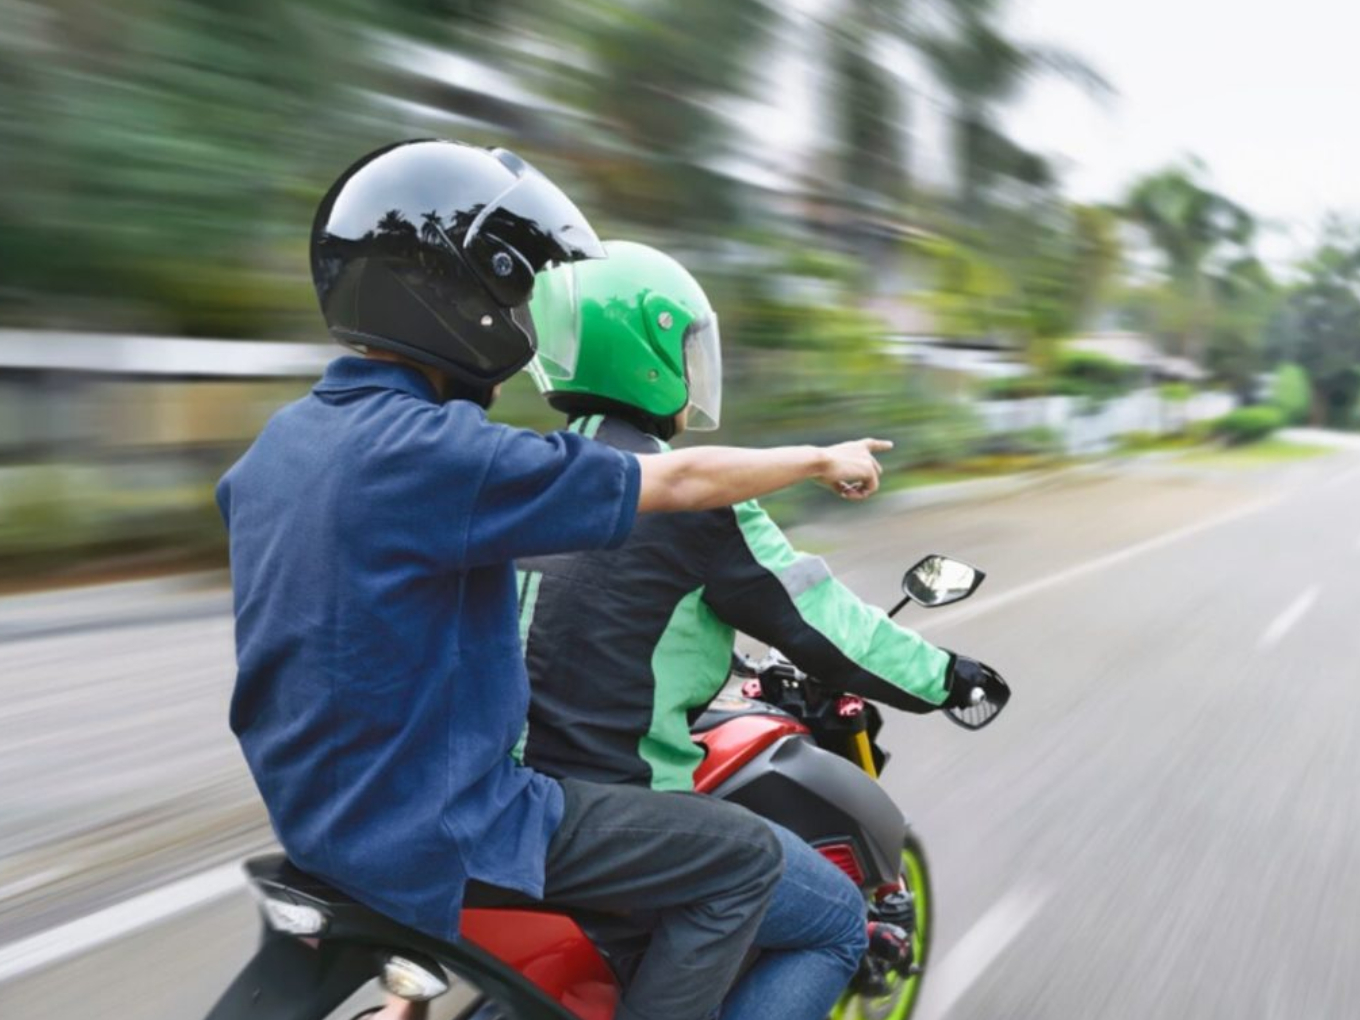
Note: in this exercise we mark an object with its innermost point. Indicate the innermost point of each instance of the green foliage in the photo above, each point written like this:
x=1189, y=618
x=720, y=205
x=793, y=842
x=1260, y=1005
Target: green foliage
x=54, y=516
x=1019, y=387
x=1074, y=373
x=1099, y=370
x=1038, y=441
x=1247, y=425
x=1176, y=392
x=1318, y=325
x=1194, y=435
x=1291, y=393
x=1035, y=275
x=1216, y=297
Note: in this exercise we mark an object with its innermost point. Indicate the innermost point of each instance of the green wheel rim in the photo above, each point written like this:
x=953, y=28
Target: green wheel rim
x=902, y=993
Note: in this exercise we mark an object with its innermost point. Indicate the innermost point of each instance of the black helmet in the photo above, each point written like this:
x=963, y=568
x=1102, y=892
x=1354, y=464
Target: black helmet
x=429, y=248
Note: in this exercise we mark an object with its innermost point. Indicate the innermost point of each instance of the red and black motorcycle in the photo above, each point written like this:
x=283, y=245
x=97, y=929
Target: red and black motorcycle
x=788, y=748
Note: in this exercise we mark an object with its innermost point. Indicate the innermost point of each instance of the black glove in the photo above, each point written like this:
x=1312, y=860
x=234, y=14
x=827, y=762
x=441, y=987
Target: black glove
x=976, y=692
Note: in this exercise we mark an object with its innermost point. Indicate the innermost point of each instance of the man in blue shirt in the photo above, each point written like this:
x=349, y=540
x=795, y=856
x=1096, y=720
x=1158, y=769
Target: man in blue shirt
x=381, y=692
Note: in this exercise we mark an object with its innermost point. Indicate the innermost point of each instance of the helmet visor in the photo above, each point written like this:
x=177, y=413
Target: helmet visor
x=535, y=220
x=703, y=372
x=557, y=320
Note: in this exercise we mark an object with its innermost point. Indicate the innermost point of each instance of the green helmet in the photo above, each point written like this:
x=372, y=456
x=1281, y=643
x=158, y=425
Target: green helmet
x=648, y=339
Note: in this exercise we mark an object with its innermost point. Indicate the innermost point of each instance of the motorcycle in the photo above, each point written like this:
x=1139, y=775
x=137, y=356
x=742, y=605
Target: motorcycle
x=788, y=747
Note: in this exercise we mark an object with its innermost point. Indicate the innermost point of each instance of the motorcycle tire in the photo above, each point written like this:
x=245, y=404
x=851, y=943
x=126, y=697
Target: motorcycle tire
x=903, y=992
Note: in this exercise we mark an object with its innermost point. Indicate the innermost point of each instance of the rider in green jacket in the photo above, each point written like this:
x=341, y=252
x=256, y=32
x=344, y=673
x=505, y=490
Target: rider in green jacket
x=626, y=647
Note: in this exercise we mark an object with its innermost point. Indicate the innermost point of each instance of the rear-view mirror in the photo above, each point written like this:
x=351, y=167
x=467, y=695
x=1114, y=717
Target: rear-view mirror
x=939, y=580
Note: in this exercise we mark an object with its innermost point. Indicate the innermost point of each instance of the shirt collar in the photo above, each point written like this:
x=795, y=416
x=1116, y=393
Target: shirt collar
x=355, y=373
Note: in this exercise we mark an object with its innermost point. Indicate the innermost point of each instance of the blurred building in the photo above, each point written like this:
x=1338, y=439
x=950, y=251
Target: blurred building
x=76, y=396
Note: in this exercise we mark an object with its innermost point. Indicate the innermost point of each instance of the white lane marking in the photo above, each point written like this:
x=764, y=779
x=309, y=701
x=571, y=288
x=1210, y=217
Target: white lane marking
x=1285, y=622
x=948, y=980
x=1024, y=591
x=93, y=930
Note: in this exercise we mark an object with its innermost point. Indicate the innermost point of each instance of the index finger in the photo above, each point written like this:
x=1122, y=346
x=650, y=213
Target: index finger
x=877, y=445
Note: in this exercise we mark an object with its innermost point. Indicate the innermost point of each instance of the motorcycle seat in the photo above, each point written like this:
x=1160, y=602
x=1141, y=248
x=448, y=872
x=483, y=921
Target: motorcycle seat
x=350, y=922
x=279, y=878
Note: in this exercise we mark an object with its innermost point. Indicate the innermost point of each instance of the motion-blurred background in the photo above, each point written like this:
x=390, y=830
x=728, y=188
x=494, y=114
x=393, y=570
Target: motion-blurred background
x=1079, y=261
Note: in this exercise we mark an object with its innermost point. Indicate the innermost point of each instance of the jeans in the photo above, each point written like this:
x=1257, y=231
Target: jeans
x=811, y=941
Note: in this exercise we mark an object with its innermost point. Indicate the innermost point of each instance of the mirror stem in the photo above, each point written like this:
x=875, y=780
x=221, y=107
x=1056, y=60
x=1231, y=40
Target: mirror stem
x=899, y=607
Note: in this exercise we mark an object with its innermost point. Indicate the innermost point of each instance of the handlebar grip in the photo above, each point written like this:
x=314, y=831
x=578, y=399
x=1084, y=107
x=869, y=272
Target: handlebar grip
x=985, y=704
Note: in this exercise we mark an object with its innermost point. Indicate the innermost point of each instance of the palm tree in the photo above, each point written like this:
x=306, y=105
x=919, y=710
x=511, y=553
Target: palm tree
x=1205, y=240
x=983, y=70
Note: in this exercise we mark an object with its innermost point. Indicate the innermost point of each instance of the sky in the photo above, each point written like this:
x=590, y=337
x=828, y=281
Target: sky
x=1266, y=94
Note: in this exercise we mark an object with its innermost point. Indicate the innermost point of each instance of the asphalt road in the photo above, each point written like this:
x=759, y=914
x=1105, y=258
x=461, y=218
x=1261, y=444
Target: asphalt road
x=1163, y=824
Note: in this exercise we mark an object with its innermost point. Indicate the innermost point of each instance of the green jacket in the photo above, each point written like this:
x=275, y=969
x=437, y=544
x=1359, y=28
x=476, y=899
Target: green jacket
x=625, y=648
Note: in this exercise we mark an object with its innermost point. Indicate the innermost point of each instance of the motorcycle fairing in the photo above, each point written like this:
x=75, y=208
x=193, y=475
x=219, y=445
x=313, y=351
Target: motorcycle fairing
x=823, y=798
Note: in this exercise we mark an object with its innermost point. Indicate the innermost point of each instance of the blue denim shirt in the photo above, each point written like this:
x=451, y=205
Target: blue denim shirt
x=380, y=686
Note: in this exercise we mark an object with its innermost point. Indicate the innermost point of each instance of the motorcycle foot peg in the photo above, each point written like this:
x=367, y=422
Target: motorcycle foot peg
x=889, y=950
x=889, y=943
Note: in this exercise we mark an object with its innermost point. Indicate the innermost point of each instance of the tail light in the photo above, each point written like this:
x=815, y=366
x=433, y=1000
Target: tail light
x=844, y=857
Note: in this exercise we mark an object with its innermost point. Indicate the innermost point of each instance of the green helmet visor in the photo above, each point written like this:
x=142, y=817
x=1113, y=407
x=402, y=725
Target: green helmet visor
x=703, y=373
x=557, y=321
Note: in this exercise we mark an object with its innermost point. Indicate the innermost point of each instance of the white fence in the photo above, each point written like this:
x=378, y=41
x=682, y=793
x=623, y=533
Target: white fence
x=1088, y=427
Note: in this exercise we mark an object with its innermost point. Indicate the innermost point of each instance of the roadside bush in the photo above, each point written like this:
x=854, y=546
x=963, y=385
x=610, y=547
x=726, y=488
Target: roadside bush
x=1200, y=431
x=1141, y=439
x=1039, y=441
x=1017, y=387
x=1247, y=425
x=1082, y=374
x=56, y=517
x=1097, y=370
x=1291, y=393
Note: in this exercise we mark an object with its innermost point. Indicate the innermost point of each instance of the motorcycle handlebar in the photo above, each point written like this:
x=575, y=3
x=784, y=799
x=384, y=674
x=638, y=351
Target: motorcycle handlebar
x=986, y=703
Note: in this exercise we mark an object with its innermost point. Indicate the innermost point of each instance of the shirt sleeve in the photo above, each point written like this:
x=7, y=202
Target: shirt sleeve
x=760, y=584
x=552, y=494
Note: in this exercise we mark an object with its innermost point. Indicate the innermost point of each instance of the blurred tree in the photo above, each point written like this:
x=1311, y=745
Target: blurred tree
x=1292, y=393
x=1243, y=300
x=658, y=71
x=1037, y=275
x=983, y=70
x=155, y=153
x=869, y=108
x=162, y=157
x=1318, y=326
x=1198, y=233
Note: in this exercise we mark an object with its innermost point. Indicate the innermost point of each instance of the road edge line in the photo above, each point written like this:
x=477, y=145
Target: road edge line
x=54, y=945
